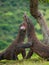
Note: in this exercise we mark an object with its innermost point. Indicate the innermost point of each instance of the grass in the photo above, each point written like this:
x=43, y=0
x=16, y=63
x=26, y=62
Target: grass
x=25, y=62
x=34, y=60
x=11, y=15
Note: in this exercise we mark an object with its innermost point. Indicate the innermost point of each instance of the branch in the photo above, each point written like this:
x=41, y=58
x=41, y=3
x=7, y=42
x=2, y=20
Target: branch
x=40, y=19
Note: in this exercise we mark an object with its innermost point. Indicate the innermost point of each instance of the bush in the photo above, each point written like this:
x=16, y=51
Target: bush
x=3, y=44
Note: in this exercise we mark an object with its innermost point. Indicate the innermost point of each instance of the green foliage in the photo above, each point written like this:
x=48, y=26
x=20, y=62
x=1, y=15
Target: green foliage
x=44, y=1
x=37, y=61
x=11, y=16
x=3, y=44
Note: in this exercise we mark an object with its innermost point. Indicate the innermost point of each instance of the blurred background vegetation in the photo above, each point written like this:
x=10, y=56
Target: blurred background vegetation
x=11, y=16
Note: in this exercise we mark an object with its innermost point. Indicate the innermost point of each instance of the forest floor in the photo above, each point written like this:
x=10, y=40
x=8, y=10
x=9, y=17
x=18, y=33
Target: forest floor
x=24, y=62
x=35, y=60
x=11, y=16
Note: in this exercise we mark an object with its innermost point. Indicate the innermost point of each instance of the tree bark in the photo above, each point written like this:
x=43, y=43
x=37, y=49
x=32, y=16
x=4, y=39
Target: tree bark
x=12, y=52
x=35, y=45
x=40, y=19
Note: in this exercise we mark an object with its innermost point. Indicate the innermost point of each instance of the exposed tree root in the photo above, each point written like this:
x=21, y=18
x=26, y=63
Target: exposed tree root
x=35, y=45
x=11, y=52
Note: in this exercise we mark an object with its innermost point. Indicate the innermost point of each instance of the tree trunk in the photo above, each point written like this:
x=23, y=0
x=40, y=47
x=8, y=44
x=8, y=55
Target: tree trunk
x=44, y=28
x=35, y=45
x=12, y=52
x=40, y=19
